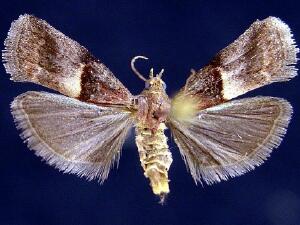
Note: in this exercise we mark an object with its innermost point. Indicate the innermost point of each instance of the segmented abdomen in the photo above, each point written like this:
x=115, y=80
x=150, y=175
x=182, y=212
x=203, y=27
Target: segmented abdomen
x=155, y=157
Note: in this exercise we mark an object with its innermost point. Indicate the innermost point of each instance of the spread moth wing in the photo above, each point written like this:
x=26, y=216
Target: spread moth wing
x=232, y=138
x=73, y=136
x=265, y=53
x=37, y=52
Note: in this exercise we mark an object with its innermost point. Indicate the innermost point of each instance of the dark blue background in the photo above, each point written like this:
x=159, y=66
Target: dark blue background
x=176, y=35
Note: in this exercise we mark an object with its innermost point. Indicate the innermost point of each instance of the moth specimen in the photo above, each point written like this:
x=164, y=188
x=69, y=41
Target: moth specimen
x=83, y=130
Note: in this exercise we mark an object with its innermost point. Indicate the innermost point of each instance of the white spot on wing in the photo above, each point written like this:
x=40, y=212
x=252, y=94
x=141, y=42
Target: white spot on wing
x=72, y=85
x=231, y=86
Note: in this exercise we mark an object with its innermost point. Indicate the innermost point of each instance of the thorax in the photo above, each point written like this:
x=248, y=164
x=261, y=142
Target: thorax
x=153, y=108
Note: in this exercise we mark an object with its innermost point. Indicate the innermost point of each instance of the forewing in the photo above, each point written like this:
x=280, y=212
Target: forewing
x=73, y=136
x=265, y=53
x=232, y=138
x=37, y=52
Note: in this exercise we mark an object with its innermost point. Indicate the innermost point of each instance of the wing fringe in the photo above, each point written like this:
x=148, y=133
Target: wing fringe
x=214, y=174
x=289, y=48
x=9, y=54
x=272, y=141
x=88, y=170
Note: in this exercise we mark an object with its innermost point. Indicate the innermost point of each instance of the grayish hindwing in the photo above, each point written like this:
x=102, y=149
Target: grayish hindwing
x=232, y=138
x=265, y=53
x=37, y=52
x=73, y=136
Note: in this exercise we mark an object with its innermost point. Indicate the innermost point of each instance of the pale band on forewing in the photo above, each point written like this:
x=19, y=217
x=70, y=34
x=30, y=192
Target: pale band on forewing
x=219, y=140
x=37, y=52
x=264, y=54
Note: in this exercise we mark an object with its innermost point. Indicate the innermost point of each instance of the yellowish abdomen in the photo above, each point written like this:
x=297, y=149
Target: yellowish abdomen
x=155, y=157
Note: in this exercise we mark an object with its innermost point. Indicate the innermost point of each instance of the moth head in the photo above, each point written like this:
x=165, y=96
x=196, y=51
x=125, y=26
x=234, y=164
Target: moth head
x=154, y=82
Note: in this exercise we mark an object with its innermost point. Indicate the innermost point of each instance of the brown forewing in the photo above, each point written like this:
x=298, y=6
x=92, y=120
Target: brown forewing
x=265, y=53
x=37, y=52
x=220, y=139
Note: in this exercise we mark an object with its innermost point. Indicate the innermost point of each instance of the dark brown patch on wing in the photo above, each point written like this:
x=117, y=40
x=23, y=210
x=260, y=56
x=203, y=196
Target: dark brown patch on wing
x=47, y=52
x=98, y=85
x=206, y=86
x=37, y=52
x=263, y=54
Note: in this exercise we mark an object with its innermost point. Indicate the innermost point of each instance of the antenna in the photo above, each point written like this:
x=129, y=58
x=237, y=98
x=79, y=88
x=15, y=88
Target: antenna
x=161, y=73
x=135, y=70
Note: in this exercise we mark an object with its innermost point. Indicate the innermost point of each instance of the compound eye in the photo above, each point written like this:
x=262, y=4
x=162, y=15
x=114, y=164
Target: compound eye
x=147, y=85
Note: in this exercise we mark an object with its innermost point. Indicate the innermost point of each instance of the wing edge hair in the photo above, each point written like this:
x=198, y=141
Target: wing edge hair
x=290, y=70
x=262, y=153
x=35, y=143
x=259, y=156
x=9, y=54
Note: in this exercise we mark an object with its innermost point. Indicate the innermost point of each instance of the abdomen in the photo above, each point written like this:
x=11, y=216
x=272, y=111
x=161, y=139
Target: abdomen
x=155, y=157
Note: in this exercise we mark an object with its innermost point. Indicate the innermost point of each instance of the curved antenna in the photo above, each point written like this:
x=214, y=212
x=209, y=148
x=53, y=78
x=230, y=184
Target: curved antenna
x=134, y=69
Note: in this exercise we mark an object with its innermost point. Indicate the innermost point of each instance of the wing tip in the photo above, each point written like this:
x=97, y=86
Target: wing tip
x=290, y=47
x=9, y=54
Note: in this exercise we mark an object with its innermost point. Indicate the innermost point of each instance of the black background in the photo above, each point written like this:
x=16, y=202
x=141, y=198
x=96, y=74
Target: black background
x=177, y=36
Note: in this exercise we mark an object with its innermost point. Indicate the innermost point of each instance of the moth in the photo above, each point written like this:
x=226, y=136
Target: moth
x=82, y=131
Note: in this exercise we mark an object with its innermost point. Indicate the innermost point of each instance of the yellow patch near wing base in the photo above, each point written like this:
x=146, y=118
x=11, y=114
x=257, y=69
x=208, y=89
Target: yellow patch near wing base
x=184, y=107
